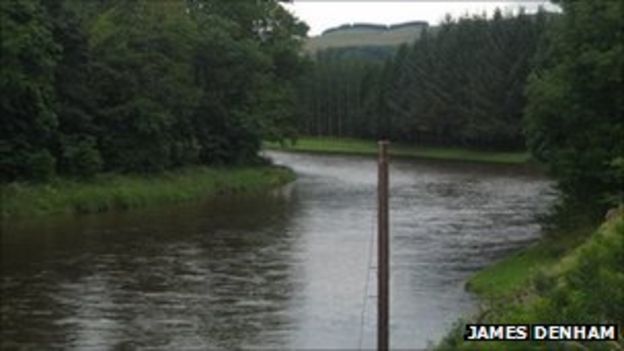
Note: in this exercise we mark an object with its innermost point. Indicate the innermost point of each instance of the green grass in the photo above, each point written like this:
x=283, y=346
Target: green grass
x=111, y=192
x=367, y=147
x=513, y=274
x=584, y=283
x=359, y=39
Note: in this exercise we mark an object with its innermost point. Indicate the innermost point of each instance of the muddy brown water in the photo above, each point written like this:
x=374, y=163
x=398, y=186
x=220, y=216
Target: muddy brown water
x=285, y=269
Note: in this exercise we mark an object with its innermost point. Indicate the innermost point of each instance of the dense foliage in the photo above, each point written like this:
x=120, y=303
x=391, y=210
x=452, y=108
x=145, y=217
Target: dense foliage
x=575, y=111
x=27, y=67
x=142, y=86
x=460, y=84
x=591, y=290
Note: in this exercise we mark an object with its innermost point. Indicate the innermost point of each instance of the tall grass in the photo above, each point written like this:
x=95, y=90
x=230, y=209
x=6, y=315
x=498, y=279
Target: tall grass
x=110, y=191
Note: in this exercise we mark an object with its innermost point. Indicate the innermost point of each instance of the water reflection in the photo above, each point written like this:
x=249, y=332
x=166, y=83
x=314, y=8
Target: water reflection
x=447, y=221
x=281, y=270
x=185, y=277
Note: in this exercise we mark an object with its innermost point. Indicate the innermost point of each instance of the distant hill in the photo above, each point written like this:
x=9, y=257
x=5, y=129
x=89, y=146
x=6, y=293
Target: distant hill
x=366, y=34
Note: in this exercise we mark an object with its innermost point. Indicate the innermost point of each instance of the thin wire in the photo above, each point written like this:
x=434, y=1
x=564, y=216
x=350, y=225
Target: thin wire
x=367, y=284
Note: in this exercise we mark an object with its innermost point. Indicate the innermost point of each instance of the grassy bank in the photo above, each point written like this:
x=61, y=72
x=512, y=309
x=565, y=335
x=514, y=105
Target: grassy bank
x=368, y=147
x=108, y=192
x=553, y=282
x=513, y=274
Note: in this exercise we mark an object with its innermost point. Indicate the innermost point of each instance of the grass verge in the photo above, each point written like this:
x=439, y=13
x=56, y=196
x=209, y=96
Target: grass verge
x=513, y=274
x=112, y=191
x=550, y=283
x=368, y=147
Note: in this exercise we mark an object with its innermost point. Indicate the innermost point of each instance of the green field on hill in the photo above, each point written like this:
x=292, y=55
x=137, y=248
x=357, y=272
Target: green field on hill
x=352, y=38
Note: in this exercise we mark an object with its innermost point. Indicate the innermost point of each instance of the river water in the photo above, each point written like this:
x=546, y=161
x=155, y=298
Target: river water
x=291, y=268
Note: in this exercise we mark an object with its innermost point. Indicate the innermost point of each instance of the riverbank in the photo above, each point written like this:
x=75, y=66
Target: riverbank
x=513, y=274
x=367, y=147
x=554, y=281
x=113, y=191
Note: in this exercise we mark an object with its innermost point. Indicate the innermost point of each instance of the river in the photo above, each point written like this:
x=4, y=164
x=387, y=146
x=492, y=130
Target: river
x=290, y=268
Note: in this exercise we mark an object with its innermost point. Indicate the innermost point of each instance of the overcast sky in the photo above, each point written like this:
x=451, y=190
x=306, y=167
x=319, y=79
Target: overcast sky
x=324, y=14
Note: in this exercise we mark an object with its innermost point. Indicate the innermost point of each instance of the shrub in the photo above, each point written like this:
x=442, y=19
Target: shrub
x=81, y=157
x=40, y=165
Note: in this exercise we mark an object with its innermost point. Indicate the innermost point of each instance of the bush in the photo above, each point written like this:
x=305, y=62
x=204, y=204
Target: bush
x=40, y=165
x=592, y=290
x=82, y=158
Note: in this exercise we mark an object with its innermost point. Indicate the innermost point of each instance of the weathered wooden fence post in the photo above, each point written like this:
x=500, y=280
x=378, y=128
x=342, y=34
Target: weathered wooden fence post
x=383, y=255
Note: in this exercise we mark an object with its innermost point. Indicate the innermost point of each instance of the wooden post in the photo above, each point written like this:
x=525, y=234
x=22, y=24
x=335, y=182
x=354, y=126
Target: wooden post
x=383, y=254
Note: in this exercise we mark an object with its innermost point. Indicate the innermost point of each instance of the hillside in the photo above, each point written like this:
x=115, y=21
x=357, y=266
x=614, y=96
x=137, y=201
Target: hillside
x=364, y=34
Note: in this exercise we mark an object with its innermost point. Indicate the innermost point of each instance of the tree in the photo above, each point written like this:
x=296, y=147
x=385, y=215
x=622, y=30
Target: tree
x=75, y=144
x=144, y=85
x=247, y=62
x=574, y=118
x=28, y=120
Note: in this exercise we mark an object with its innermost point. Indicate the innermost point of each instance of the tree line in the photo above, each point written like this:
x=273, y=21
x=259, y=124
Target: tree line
x=551, y=82
x=461, y=84
x=142, y=86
